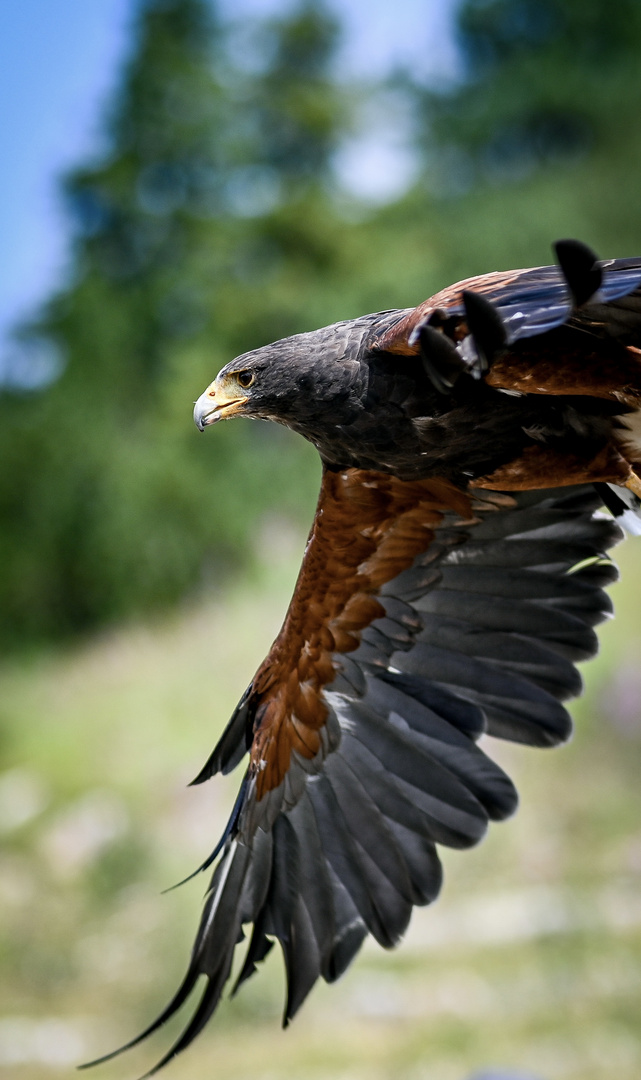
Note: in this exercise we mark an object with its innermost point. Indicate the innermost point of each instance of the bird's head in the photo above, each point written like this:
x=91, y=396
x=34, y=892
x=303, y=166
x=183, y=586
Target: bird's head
x=298, y=381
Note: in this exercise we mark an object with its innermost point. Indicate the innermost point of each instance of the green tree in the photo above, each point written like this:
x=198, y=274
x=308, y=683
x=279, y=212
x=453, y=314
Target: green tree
x=207, y=211
x=545, y=81
x=536, y=140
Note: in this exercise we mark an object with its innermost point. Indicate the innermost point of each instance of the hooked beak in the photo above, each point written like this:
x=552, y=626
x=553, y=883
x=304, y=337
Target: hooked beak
x=217, y=403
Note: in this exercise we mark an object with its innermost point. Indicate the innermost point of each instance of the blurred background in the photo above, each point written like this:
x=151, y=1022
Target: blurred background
x=181, y=181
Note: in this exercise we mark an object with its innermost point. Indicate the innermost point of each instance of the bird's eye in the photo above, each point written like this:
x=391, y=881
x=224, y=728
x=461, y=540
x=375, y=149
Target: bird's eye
x=245, y=378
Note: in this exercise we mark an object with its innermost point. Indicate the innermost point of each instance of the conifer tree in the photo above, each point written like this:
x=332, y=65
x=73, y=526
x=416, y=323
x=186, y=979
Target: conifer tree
x=545, y=82
x=206, y=212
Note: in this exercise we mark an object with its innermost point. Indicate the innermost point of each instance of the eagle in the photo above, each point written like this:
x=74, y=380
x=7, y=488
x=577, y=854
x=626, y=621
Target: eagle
x=453, y=576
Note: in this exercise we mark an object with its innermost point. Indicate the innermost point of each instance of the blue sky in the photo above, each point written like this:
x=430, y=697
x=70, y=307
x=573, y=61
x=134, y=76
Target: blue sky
x=59, y=60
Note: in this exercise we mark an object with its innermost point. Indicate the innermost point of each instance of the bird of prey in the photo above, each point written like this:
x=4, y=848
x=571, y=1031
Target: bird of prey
x=453, y=575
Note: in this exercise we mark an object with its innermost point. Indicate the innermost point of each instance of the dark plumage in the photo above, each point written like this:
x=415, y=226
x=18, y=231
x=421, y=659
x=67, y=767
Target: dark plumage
x=347, y=390
x=452, y=580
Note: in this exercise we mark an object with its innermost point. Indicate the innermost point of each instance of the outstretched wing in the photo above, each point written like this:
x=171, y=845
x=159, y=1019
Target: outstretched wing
x=422, y=618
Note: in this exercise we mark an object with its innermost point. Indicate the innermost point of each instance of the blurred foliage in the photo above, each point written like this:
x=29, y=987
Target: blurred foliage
x=213, y=222
x=547, y=81
x=197, y=233
x=539, y=139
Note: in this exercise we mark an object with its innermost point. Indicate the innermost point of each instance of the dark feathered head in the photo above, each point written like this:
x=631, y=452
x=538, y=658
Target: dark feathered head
x=303, y=381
